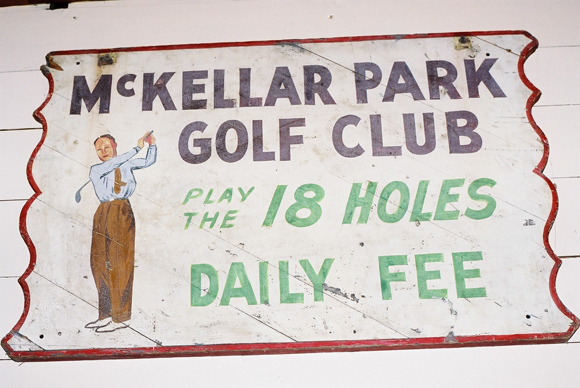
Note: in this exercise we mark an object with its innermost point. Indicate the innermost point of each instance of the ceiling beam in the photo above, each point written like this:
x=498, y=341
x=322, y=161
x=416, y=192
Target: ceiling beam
x=54, y=4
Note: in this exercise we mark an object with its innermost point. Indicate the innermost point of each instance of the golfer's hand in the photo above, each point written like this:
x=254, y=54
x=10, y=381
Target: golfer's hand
x=141, y=142
x=150, y=140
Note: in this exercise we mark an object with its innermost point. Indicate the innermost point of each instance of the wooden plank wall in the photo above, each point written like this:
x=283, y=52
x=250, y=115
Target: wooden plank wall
x=27, y=33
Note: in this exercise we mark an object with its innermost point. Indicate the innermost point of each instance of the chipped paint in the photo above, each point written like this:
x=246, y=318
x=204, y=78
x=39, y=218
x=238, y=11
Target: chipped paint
x=107, y=59
x=466, y=43
x=337, y=291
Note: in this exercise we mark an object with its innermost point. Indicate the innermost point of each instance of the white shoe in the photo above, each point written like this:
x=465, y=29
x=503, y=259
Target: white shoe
x=99, y=323
x=112, y=327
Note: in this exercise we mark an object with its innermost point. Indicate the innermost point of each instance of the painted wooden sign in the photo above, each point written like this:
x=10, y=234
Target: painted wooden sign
x=289, y=196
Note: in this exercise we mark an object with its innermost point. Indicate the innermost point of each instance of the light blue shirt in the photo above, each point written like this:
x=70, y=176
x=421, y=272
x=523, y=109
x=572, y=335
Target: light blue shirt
x=103, y=177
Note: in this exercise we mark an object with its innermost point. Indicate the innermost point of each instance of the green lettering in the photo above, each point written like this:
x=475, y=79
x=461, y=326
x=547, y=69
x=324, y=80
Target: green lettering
x=423, y=275
x=317, y=279
x=238, y=272
x=401, y=207
x=285, y=295
x=304, y=202
x=488, y=210
x=461, y=274
x=445, y=197
x=387, y=277
x=192, y=194
x=206, y=218
x=355, y=200
x=245, y=195
x=274, y=205
x=227, y=195
x=264, y=284
x=189, y=217
x=208, y=199
x=230, y=216
x=196, y=271
x=417, y=212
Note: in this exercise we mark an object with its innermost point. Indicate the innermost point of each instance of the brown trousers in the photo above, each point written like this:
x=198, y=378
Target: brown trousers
x=113, y=258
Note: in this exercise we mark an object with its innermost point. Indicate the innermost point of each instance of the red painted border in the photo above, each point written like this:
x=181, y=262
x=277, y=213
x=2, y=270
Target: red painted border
x=534, y=97
x=285, y=348
x=295, y=347
x=24, y=212
x=294, y=41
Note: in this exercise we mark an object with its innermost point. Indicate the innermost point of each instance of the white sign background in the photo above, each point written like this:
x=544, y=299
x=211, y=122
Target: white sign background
x=516, y=269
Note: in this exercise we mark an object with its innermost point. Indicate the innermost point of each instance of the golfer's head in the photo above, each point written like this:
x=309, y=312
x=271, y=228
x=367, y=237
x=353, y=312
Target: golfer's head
x=106, y=147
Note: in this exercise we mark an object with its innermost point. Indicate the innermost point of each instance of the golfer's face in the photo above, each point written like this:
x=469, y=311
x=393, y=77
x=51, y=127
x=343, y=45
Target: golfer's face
x=106, y=149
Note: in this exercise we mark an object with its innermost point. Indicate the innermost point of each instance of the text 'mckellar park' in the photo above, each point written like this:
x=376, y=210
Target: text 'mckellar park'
x=365, y=76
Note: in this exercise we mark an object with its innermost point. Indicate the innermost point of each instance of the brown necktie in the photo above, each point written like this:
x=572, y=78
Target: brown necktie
x=118, y=181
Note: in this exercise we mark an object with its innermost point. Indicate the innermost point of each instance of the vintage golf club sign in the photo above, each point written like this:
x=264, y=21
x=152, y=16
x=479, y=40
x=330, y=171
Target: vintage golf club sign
x=289, y=196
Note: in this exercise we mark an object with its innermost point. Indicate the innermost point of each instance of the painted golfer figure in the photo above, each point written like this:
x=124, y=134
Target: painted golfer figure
x=113, y=242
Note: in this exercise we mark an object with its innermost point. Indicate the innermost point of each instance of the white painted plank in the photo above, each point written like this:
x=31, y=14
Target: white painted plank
x=130, y=23
x=11, y=305
x=15, y=150
x=568, y=287
x=565, y=234
x=559, y=124
x=553, y=70
x=516, y=366
x=21, y=93
x=14, y=254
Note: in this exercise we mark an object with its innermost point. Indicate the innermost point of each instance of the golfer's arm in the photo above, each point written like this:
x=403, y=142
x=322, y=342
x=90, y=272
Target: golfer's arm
x=111, y=164
x=147, y=161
